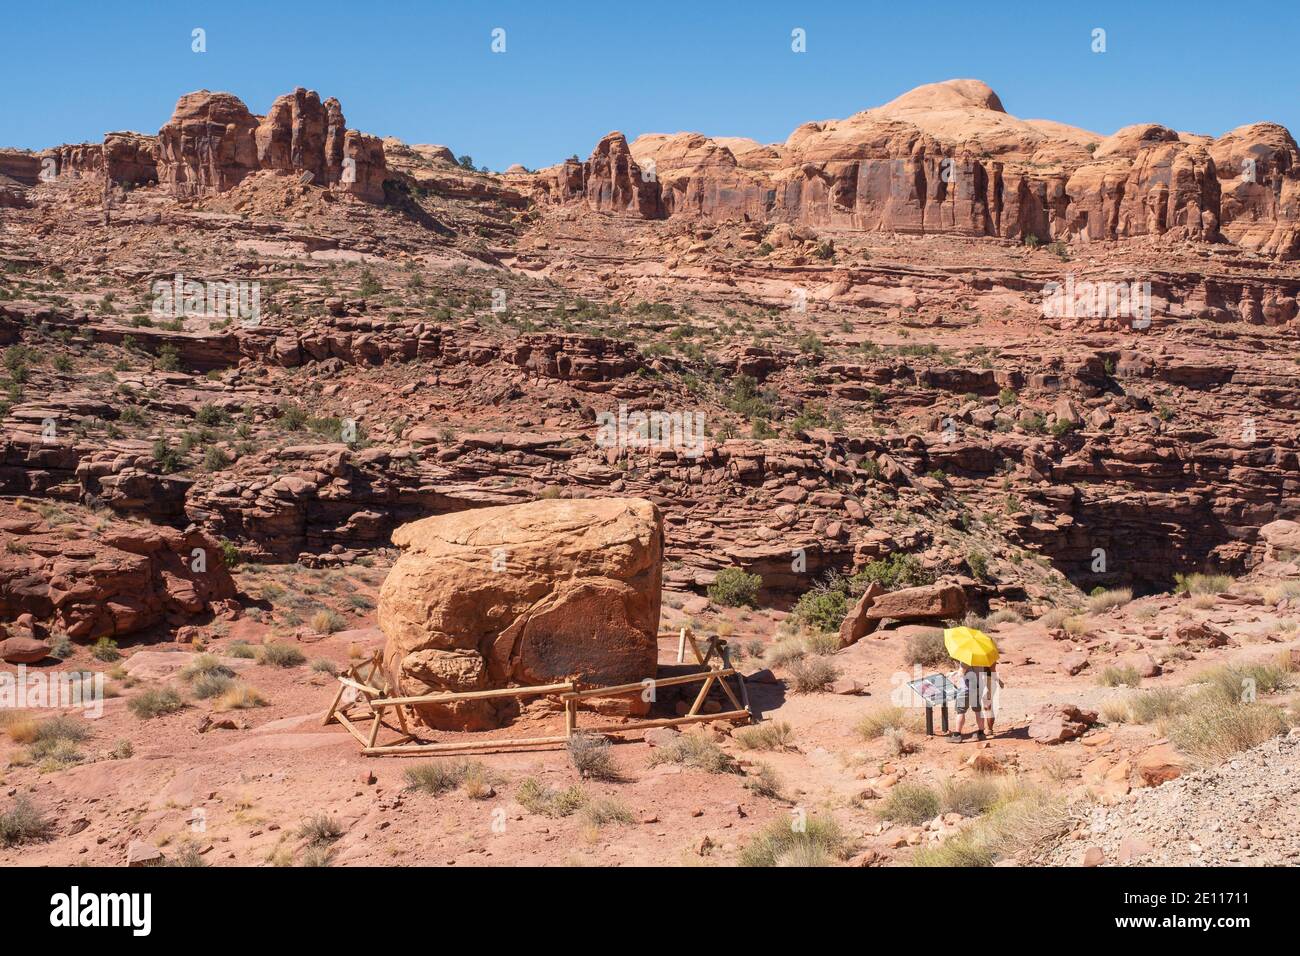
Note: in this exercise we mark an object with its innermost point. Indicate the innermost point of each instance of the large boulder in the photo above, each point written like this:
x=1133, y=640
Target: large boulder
x=522, y=594
x=919, y=603
x=1057, y=723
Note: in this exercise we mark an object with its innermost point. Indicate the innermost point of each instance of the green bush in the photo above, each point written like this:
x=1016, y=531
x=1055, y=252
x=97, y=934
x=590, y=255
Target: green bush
x=734, y=588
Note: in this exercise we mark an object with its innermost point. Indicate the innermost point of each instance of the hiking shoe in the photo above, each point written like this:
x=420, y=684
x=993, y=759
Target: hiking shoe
x=980, y=735
x=954, y=738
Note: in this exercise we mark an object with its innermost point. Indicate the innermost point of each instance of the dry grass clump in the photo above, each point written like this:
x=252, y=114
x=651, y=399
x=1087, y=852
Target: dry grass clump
x=320, y=829
x=1242, y=682
x=696, y=751
x=769, y=735
x=604, y=811
x=23, y=823
x=926, y=648
x=205, y=665
x=764, y=781
x=240, y=697
x=535, y=797
x=1201, y=583
x=1022, y=822
x=812, y=674
x=1116, y=711
x=1279, y=592
x=590, y=756
x=875, y=722
x=794, y=647
x=241, y=649
x=909, y=803
x=280, y=654
x=817, y=841
x=436, y=777
x=969, y=797
x=155, y=702
x=1055, y=618
x=1214, y=729
x=326, y=621
x=1105, y=600
x=1156, y=704
x=211, y=685
x=1119, y=675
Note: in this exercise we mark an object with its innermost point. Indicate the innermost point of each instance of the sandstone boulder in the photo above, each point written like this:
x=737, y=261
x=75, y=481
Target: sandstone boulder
x=1057, y=723
x=920, y=603
x=858, y=623
x=1160, y=764
x=23, y=650
x=522, y=594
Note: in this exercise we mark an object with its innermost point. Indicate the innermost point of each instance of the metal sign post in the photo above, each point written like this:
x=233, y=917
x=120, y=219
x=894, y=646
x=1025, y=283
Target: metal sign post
x=935, y=690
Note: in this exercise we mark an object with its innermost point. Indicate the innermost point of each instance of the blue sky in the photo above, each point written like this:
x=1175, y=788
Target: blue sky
x=574, y=70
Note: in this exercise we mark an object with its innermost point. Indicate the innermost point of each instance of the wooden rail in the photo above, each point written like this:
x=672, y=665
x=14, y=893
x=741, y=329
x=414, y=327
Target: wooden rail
x=365, y=684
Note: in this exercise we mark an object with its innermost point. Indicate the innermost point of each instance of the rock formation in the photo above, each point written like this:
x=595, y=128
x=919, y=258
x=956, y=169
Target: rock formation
x=118, y=580
x=526, y=594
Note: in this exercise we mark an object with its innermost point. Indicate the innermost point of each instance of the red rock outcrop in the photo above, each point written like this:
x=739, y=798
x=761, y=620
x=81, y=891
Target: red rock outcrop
x=609, y=181
x=212, y=142
x=112, y=581
x=943, y=158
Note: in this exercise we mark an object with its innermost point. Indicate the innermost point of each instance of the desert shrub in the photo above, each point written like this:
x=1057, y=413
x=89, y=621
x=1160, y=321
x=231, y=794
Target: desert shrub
x=1116, y=711
x=188, y=854
x=696, y=751
x=322, y=666
x=61, y=647
x=105, y=649
x=237, y=696
x=155, y=702
x=819, y=842
x=969, y=797
x=978, y=562
x=1116, y=675
x=909, y=803
x=1198, y=583
x=437, y=777
x=926, y=648
x=810, y=675
x=1233, y=681
x=769, y=735
x=205, y=665
x=320, y=829
x=327, y=622
x=23, y=823
x=1103, y=600
x=535, y=797
x=1155, y=704
x=734, y=588
x=604, y=811
x=211, y=685
x=1212, y=729
x=280, y=654
x=241, y=649
x=590, y=756
x=824, y=607
x=1022, y=822
x=763, y=780
x=876, y=722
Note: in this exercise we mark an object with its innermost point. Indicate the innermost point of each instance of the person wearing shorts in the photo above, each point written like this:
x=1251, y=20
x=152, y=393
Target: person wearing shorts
x=974, y=692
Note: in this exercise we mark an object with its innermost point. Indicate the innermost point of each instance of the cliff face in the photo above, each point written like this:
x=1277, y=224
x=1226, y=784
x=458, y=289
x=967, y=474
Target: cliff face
x=213, y=142
x=947, y=158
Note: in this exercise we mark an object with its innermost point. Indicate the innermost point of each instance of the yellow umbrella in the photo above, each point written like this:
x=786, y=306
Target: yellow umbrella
x=971, y=647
